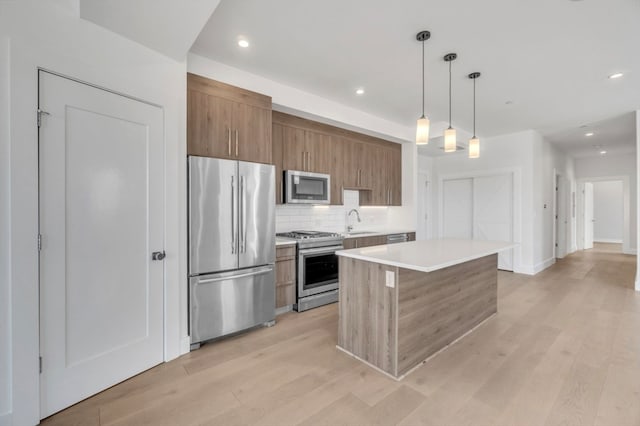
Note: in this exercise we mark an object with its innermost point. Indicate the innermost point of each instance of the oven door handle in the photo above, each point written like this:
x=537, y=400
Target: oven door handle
x=330, y=249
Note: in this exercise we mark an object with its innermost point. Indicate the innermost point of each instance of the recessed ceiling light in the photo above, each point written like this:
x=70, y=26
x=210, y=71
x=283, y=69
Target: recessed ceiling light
x=589, y=134
x=360, y=91
x=603, y=152
x=243, y=43
x=616, y=75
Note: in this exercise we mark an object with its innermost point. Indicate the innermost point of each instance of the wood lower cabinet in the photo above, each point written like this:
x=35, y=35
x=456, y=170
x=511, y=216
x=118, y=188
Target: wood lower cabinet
x=285, y=275
x=375, y=240
x=224, y=121
x=361, y=242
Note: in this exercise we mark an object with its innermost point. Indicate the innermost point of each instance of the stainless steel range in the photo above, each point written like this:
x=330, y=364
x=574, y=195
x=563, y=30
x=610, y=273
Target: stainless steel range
x=317, y=266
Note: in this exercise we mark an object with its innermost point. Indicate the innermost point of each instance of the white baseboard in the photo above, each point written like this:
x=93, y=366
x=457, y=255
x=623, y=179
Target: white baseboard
x=607, y=240
x=6, y=420
x=534, y=269
x=631, y=251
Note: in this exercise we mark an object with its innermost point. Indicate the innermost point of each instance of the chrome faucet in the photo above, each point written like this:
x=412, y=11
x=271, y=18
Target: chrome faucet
x=350, y=227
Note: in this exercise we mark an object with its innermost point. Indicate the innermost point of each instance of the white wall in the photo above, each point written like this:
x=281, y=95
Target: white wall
x=636, y=219
x=5, y=236
x=51, y=35
x=608, y=211
x=533, y=161
x=604, y=166
x=294, y=101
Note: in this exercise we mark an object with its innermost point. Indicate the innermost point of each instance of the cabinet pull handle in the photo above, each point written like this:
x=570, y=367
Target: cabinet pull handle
x=236, y=142
x=303, y=159
x=229, y=140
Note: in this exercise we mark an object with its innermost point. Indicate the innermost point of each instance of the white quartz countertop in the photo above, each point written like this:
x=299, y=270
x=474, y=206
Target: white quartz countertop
x=427, y=255
x=280, y=241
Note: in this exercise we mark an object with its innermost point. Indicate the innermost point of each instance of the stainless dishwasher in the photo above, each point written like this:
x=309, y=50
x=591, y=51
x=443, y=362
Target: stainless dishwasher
x=397, y=238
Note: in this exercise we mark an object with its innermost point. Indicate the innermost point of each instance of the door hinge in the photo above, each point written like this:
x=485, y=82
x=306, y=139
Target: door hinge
x=40, y=367
x=40, y=113
x=39, y=242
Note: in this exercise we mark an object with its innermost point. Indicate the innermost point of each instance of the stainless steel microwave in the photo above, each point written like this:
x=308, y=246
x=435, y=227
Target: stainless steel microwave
x=306, y=187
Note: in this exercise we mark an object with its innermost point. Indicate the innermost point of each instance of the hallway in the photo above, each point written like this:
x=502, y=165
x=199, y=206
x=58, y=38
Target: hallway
x=564, y=349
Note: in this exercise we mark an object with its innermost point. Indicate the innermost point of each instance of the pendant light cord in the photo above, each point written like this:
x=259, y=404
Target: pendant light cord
x=474, y=108
x=423, y=78
x=450, y=94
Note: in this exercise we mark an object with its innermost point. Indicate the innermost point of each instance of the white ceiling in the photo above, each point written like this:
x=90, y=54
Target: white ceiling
x=167, y=26
x=550, y=58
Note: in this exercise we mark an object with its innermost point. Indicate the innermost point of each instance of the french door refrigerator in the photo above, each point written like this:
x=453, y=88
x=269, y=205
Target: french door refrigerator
x=231, y=246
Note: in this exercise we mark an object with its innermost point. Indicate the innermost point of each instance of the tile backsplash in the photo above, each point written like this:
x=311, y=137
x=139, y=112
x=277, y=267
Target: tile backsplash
x=330, y=218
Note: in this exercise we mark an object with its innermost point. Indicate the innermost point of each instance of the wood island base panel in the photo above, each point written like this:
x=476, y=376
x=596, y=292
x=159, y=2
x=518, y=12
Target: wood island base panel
x=395, y=318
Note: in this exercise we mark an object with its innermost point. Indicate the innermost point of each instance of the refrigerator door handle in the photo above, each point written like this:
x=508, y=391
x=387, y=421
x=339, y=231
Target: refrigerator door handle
x=243, y=219
x=226, y=277
x=233, y=216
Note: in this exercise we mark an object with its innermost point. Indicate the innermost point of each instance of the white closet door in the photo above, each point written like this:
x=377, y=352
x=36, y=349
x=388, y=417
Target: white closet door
x=101, y=216
x=493, y=213
x=457, y=209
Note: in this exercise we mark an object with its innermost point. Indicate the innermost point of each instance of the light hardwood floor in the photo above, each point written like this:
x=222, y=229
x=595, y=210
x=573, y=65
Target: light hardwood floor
x=564, y=349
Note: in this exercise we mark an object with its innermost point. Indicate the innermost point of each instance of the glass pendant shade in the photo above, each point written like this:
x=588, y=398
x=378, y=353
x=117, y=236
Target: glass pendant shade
x=450, y=140
x=422, y=131
x=474, y=147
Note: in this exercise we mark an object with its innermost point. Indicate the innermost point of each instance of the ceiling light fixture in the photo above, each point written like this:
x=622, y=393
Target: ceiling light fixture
x=616, y=75
x=243, y=43
x=603, y=152
x=450, y=134
x=589, y=134
x=423, y=124
x=360, y=91
x=474, y=142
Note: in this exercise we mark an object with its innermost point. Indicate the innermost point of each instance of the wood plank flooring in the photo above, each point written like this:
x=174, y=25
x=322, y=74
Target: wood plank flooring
x=564, y=349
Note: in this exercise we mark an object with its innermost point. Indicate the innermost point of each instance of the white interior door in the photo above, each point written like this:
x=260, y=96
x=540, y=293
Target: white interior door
x=457, y=208
x=493, y=213
x=588, y=215
x=101, y=216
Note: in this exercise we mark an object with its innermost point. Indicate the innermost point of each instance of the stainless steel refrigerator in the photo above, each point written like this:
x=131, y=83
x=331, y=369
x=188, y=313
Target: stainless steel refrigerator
x=231, y=246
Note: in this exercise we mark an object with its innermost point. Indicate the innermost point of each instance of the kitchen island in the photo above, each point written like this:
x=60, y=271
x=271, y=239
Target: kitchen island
x=399, y=304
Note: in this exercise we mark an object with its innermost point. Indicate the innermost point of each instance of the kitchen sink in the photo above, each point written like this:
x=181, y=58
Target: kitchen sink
x=359, y=233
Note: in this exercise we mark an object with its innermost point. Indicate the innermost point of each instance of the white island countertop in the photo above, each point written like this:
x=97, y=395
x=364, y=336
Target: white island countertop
x=427, y=255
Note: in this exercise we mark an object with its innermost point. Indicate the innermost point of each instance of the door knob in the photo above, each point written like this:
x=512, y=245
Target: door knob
x=158, y=255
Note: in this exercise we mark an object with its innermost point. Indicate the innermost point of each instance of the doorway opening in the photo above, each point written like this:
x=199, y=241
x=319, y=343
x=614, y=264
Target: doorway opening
x=603, y=214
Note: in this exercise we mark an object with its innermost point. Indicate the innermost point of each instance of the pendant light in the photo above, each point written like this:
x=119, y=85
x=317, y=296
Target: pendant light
x=450, y=140
x=474, y=142
x=422, y=127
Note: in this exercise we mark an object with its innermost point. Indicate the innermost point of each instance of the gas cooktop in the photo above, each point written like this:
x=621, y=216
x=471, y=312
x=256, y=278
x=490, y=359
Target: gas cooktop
x=307, y=235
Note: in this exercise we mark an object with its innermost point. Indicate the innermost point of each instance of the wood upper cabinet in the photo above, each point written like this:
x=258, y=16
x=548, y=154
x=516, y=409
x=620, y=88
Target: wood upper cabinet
x=386, y=181
x=356, y=166
x=294, y=151
x=354, y=161
x=394, y=174
x=224, y=121
x=277, y=149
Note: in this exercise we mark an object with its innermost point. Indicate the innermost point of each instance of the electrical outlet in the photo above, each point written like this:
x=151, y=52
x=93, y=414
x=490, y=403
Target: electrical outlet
x=391, y=279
